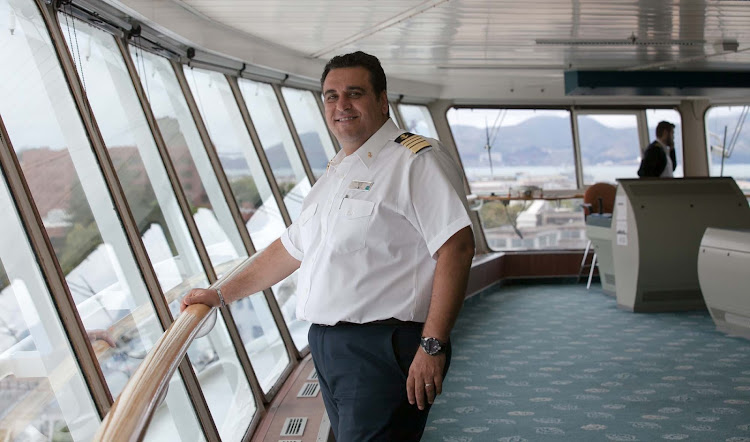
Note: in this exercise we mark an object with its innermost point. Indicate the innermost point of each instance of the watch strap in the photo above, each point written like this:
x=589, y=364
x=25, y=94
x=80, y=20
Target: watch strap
x=221, y=297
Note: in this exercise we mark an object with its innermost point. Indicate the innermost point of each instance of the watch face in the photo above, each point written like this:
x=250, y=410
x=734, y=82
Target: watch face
x=432, y=345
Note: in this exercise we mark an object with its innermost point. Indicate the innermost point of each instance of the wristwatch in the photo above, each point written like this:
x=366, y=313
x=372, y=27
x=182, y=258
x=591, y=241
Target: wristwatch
x=432, y=346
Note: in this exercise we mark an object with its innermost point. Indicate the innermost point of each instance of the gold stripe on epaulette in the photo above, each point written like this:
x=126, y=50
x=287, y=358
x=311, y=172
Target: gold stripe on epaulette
x=413, y=142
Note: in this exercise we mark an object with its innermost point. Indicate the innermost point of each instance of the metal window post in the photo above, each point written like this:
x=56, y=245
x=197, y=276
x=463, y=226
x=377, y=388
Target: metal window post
x=396, y=117
x=440, y=109
x=321, y=106
x=576, y=148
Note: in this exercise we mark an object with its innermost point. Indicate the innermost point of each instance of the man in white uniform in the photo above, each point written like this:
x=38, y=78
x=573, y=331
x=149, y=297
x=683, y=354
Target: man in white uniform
x=384, y=246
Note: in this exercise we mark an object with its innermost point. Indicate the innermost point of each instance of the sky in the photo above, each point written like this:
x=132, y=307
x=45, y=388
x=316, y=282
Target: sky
x=481, y=117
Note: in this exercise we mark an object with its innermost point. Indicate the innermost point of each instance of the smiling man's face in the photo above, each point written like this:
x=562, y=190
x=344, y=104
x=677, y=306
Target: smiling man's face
x=353, y=111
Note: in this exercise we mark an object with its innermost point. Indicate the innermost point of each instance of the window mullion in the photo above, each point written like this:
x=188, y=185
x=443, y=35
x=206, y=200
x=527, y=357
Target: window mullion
x=319, y=101
x=576, y=147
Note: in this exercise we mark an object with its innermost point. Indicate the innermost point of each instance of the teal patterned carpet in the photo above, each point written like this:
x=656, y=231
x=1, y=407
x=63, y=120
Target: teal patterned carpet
x=558, y=362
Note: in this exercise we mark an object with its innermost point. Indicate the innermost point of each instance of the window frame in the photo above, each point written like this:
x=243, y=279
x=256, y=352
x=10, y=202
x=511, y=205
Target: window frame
x=430, y=122
x=707, y=144
x=641, y=130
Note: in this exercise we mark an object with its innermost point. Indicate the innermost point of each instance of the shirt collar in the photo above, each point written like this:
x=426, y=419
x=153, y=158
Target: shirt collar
x=372, y=147
x=335, y=162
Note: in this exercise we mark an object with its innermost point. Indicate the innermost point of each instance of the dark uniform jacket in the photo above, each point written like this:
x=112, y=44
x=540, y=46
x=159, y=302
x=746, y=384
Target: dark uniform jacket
x=655, y=160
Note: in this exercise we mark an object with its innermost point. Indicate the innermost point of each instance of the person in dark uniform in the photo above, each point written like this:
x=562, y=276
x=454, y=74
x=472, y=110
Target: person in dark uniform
x=659, y=159
x=384, y=246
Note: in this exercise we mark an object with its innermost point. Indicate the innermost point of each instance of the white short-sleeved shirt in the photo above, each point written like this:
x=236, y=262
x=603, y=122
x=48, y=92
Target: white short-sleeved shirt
x=667, y=172
x=369, y=255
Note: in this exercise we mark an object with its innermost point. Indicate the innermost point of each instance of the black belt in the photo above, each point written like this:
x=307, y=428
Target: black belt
x=389, y=321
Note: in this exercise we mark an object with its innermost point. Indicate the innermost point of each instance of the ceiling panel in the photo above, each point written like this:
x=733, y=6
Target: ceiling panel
x=302, y=25
x=438, y=41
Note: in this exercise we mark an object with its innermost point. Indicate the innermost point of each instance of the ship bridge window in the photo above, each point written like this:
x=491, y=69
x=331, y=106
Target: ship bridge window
x=417, y=120
x=76, y=208
x=238, y=157
x=154, y=206
x=728, y=142
x=191, y=162
x=249, y=183
x=261, y=338
x=277, y=142
x=612, y=143
x=511, y=150
x=137, y=162
x=220, y=234
x=311, y=128
x=34, y=349
x=519, y=158
x=653, y=117
x=294, y=185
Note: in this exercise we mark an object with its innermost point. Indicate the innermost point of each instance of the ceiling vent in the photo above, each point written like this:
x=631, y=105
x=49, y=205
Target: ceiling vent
x=727, y=45
x=310, y=389
x=294, y=426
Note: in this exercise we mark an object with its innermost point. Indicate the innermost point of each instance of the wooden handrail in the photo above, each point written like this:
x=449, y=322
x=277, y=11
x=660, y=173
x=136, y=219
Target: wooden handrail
x=129, y=416
x=25, y=411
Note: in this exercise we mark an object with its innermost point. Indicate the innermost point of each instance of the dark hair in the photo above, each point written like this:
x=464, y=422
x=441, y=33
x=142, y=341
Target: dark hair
x=662, y=127
x=359, y=59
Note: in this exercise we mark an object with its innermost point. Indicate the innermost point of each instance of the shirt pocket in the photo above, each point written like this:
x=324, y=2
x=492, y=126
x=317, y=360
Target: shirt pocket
x=353, y=220
x=306, y=224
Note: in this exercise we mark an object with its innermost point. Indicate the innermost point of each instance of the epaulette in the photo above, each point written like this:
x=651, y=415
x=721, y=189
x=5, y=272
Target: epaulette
x=413, y=142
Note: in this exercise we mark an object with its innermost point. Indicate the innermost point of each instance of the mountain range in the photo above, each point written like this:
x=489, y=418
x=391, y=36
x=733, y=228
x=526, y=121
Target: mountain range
x=537, y=141
x=548, y=141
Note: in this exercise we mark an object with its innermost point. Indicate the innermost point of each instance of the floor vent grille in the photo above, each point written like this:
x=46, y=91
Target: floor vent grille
x=313, y=375
x=310, y=389
x=294, y=426
x=290, y=440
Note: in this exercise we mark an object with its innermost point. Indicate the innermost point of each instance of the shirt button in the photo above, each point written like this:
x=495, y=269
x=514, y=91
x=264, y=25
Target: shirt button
x=349, y=213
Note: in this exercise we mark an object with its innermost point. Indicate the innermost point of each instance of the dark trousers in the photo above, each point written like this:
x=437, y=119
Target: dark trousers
x=362, y=370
